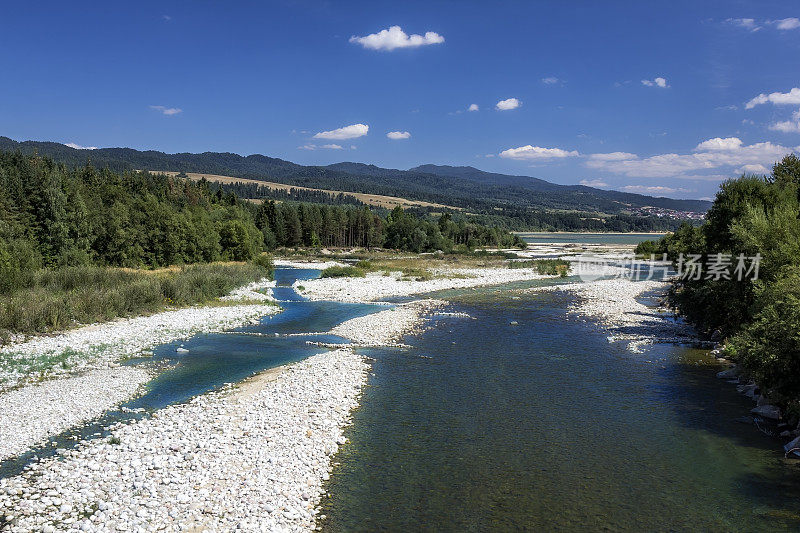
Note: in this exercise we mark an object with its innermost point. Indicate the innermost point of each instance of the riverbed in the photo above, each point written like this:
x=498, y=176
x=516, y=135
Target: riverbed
x=511, y=407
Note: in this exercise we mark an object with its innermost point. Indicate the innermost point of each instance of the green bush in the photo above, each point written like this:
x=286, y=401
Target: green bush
x=342, y=272
x=546, y=267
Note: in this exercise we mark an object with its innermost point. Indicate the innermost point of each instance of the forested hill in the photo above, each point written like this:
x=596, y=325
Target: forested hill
x=460, y=186
x=536, y=184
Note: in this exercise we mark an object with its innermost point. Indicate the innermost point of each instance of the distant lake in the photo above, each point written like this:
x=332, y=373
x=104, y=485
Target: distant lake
x=589, y=238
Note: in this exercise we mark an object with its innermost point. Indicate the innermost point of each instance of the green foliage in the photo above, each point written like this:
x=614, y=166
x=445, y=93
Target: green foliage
x=56, y=299
x=751, y=215
x=57, y=216
x=342, y=272
x=264, y=261
x=547, y=267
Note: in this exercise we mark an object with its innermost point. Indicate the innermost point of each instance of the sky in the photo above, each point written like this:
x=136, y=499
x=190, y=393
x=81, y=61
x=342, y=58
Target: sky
x=667, y=98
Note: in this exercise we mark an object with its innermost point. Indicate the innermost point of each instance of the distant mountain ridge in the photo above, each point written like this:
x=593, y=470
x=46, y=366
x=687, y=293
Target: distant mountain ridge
x=465, y=187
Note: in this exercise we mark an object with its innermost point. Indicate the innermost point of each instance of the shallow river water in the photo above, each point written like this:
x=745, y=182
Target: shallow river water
x=484, y=425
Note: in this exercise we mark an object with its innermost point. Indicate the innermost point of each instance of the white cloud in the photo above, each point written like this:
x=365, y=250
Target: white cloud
x=347, y=132
x=507, y=104
x=788, y=126
x=533, y=153
x=792, y=97
x=711, y=154
x=594, y=183
x=653, y=189
x=394, y=38
x=613, y=156
x=164, y=110
x=752, y=169
x=550, y=80
x=791, y=23
x=656, y=82
x=397, y=135
x=473, y=107
x=324, y=147
x=79, y=147
x=353, y=147
x=717, y=144
x=748, y=24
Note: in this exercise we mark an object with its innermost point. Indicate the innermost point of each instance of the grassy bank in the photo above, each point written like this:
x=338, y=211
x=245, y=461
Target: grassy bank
x=58, y=299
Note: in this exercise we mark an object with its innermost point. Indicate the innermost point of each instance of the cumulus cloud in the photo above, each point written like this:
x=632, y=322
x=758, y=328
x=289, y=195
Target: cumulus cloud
x=164, y=110
x=322, y=147
x=613, y=156
x=752, y=25
x=710, y=154
x=394, y=38
x=791, y=23
x=717, y=143
x=507, y=104
x=752, y=169
x=550, y=80
x=473, y=107
x=535, y=153
x=79, y=147
x=792, y=97
x=656, y=82
x=397, y=135
x=788, y=126
x=653, y=189
x=594, y=183
x=347, y=132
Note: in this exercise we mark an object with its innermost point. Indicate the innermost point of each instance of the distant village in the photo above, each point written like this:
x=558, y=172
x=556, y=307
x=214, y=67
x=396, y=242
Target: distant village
x=663, y=212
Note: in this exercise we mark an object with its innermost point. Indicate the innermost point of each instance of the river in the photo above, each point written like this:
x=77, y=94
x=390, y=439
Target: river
x=483, y=424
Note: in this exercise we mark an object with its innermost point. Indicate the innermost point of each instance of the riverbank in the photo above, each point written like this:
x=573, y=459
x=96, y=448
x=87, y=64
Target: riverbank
x=49, y=384
x=615, y=304
x=377, y=286
x=252, y=456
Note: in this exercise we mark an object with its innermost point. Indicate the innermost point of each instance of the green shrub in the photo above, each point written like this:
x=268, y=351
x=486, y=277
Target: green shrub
x=342, y=272
x=546, y=267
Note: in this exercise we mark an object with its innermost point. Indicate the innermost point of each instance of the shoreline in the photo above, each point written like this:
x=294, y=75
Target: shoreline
x=85, y=377
x=253, y=455
x=376, y=286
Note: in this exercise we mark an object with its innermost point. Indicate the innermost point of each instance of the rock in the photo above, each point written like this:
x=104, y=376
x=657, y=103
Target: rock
x=767, y=411
x=729, y=373
x=791, y=445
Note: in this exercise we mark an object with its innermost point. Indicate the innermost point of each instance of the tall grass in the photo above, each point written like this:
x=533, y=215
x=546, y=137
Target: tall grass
x=58, y=299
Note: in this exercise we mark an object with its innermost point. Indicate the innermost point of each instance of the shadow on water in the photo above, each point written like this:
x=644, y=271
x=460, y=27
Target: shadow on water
x=216, y=359
x=484, y=425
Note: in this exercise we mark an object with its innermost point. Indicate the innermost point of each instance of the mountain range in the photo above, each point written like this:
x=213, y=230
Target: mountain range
x=465, y=187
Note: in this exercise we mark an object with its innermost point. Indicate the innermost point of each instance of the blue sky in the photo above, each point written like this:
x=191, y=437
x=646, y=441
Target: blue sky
x=665, y=99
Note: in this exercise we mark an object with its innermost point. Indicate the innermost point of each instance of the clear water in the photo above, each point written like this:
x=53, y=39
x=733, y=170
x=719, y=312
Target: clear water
x=485, y=426
x=589, y=238
x=219, y=358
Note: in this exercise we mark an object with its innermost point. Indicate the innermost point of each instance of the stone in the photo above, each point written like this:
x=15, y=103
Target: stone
x=767, y=411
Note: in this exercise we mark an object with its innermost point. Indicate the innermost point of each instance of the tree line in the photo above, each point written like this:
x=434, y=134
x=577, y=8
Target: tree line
x=759, y=315
x=52, y=215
